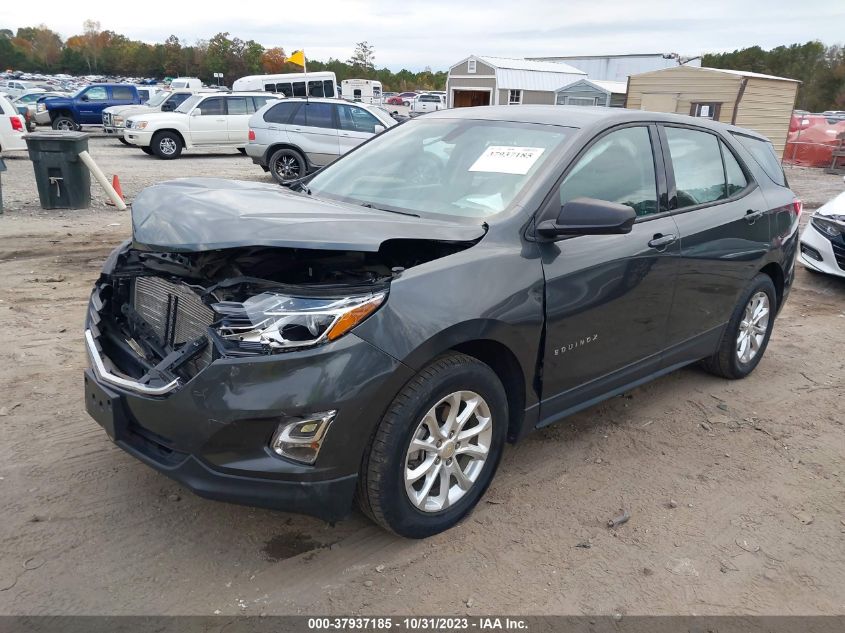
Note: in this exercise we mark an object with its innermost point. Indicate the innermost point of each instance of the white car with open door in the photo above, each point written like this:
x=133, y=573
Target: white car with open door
x=201, y=120
x=823, y=239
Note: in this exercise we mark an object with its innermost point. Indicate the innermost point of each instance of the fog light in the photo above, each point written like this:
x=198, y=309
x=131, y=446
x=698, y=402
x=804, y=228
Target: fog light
x=301, y=439
x=812, y=253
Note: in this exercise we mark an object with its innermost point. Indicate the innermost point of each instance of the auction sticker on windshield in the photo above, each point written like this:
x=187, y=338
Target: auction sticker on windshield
x=507, y=160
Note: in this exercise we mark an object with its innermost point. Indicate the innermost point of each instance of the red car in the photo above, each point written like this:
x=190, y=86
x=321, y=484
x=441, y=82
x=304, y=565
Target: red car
x=403, y=98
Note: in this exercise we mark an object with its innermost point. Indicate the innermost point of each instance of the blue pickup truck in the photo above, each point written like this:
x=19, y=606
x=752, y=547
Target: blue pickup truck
x=86, y=106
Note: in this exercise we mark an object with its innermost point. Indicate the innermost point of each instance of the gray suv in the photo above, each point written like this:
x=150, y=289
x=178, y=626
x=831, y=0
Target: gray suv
x=296, y=136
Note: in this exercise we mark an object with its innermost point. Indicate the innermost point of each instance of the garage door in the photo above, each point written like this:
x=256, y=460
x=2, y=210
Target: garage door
x=469, y=98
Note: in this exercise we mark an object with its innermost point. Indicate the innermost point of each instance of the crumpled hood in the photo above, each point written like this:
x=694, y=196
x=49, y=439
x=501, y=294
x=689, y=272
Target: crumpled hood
x=835, y=208
x=199, y=214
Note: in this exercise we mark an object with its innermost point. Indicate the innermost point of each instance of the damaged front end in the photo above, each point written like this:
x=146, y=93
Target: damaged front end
x=157, y=319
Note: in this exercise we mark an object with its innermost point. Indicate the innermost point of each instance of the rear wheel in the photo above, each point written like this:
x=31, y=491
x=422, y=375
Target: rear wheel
x=287, y=165
x=65, y=124
x=436, y=449
x=166, y=145
x=747, y=334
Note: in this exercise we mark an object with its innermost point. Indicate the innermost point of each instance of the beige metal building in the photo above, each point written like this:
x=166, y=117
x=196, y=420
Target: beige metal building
x=482, y=80
x=762, y=103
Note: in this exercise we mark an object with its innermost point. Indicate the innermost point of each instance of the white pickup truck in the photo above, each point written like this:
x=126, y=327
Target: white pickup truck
x=427, y=103
x=114, y=117
x=218, y=118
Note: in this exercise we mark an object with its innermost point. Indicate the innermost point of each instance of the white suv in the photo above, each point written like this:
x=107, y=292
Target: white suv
x=295, y=136
x=201, y=120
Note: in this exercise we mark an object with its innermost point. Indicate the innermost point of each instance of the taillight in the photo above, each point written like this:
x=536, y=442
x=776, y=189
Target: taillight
x=16, y=123
x=252, y=135
x=798, y=206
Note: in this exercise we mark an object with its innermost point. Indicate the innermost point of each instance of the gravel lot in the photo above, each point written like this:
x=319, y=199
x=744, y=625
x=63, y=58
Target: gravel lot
x=735, y=488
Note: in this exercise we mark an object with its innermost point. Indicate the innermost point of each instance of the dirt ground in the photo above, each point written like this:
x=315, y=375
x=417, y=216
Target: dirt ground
x=735, y=489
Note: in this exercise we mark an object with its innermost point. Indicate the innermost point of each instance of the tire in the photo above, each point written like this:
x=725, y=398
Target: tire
x=407, y=104
x=732, y=359
x=387, y=483
x=147, y=150
x=287, y=165
x=166, y=145
x=64, y=123
x=124, y=141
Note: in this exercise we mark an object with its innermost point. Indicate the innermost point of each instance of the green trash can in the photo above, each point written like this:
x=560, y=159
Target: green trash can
x=63, y=180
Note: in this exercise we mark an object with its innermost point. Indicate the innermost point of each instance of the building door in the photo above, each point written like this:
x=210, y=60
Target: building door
x=471, y=98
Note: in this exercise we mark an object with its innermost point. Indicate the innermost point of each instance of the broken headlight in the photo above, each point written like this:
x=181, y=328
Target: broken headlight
x=829, y=226
x=272, y=321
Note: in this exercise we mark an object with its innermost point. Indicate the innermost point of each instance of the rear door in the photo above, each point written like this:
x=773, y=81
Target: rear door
x=724, y=221
x=239, y=110
x=209, y=127
x=313, y=129
x=608, y=297
x=356, y=126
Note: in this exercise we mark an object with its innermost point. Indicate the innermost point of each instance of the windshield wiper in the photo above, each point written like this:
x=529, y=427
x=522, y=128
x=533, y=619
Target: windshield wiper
x=370, y=205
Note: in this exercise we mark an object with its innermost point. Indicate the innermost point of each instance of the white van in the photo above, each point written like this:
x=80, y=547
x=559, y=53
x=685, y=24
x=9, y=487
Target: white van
x=320, y=84
x=186, y=83
x=361, y=90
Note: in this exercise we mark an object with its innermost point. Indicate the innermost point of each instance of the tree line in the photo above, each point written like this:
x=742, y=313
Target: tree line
x=99, y=52
x=820, y=68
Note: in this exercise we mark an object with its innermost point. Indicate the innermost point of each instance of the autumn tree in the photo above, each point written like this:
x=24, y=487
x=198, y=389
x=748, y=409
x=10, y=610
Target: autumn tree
x=172, y=56
x=273, y=60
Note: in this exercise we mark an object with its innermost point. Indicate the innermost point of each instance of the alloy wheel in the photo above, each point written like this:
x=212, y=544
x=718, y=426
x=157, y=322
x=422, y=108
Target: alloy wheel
x=167, y=146
x=65, y=126
x=287, y=167
x=753, y=327
x=448, y=451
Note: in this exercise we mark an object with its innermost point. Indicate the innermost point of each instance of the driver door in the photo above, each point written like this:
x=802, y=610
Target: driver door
x=608, y=297
x=209, y=126
x=92, y=102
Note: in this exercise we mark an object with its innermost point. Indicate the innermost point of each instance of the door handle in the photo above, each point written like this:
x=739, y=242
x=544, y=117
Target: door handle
x=660, y=241
x=751, y=216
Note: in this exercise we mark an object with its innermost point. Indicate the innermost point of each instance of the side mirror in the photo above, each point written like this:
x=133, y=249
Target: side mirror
x=378, y=128
x=167, y=107
x=588, y=216
x=83, y=97
x=196, y=112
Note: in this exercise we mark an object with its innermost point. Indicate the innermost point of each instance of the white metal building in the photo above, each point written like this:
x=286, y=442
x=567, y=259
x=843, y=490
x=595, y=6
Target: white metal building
x=483, y=80
x=620, y=67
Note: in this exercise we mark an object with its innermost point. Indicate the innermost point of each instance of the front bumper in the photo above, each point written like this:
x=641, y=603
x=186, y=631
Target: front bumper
x=138, y=137
x=815, y=244
x=113, y=130
x=43, y=117
x=212, y=434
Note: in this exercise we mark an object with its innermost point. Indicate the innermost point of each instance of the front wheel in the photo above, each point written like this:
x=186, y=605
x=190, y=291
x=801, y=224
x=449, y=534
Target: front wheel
x=287, y=165
x=436, y=449
x=747, y=334
x=166, y=145
x=65, y=124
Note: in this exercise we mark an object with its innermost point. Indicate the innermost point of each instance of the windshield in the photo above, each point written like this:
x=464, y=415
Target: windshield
x=188, y=103
x=455, y=167
x=158, y=99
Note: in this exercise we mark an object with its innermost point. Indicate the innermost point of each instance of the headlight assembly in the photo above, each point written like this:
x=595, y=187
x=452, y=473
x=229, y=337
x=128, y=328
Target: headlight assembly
x=138, y=125
x=118, y=120
x=830, y=226
x=277, y=322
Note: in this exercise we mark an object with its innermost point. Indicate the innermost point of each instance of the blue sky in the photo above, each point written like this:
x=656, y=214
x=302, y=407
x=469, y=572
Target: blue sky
x=438, y=33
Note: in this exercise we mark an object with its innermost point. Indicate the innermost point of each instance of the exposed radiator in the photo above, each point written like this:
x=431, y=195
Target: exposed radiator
x=174, y=311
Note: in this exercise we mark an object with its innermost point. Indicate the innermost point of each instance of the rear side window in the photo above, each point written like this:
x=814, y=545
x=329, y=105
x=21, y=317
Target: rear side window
x=122, y=93
x=764, y=153
x=697, y=163
x=236, y=105
x=315, y=115
x=619, y=167
x=260, y=102
x=280, y=113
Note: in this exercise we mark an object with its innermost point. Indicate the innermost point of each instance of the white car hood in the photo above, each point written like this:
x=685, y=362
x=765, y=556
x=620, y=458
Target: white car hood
x=834, y=208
